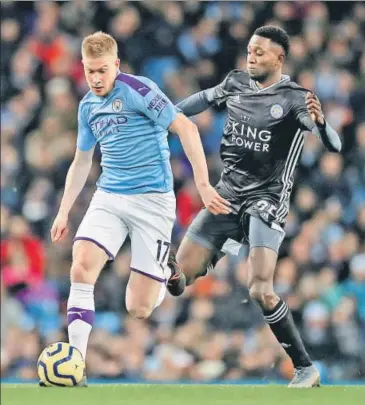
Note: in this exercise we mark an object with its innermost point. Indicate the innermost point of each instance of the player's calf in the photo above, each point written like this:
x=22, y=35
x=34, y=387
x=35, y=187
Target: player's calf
x=209, y=267
x=278, y=316
x=192, y=258
x=143, y=294
x=177, y=287
x=262, y=263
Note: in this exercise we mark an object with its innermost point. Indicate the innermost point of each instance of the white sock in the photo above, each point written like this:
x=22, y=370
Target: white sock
x=80, y=315
x=161, y=295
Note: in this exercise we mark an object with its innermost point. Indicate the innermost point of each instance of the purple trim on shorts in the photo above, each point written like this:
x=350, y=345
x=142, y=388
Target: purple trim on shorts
x=81, y=314
x=161, y=280
x=111, y=257
x=134, y=83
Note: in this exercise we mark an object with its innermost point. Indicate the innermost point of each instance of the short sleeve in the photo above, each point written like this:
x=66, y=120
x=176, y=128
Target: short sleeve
x=85, y=138
x=301, y=114
x=153, y=103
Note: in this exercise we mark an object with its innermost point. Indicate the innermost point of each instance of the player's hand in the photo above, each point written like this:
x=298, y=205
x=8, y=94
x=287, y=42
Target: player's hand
x=213, y=201
x=59, y=228
x=314, y=108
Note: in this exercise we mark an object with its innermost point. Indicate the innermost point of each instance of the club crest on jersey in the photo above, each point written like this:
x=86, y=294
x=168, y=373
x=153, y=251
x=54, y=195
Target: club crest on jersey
x=117, y=105
x=276, y=111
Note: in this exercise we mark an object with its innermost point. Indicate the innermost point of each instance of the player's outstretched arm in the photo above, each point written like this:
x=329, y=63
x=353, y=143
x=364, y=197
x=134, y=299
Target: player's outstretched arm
x=322, y=130
x=75, y=181
x=199, y=102
x=190, y=140
x=196, y=103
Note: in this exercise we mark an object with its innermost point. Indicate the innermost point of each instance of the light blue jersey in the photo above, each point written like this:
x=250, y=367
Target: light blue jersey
x=130, y=124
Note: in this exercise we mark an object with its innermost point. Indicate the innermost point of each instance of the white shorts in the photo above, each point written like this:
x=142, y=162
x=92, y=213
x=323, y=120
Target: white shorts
x=147, y=218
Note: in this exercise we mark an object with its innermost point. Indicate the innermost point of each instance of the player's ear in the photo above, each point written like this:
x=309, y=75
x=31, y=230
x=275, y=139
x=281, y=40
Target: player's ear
x=281, y=58
x=117, y=63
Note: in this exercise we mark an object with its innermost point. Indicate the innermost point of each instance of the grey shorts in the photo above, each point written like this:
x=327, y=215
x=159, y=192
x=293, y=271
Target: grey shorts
x=213, y=232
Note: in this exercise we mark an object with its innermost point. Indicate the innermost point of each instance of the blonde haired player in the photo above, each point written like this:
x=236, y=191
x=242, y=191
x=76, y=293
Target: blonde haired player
x=129, y=117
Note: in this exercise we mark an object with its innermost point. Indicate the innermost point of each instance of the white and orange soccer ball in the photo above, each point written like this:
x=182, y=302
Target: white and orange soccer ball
x=60, y=365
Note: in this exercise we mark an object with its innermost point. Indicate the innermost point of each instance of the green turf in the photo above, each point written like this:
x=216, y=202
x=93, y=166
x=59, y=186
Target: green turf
x=181, y=395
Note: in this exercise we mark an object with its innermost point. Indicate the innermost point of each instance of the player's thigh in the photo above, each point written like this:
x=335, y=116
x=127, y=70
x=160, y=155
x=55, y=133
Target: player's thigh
x=88, y=259
x=264, y=243
x=205, y=237
x=98, y=238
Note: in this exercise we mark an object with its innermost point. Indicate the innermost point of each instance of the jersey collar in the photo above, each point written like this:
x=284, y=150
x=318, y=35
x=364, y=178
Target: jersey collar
x=254, y=86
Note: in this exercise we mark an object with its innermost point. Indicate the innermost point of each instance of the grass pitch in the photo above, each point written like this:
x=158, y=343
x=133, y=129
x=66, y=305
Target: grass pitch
x=146, y=394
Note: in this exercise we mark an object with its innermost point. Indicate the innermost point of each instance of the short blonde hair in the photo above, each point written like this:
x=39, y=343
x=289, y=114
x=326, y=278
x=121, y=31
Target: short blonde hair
x=99, y=44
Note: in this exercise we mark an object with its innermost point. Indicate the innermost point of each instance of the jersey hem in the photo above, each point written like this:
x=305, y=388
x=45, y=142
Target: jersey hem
x=146, y=190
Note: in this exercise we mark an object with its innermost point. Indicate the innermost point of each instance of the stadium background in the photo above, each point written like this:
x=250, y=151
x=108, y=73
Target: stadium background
x=213, y=331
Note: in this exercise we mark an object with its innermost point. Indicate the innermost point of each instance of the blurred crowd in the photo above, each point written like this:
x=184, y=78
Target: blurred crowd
x=214, y=331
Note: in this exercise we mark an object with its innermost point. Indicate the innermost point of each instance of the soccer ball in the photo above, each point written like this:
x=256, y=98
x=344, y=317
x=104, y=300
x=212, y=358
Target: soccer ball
x=61, y=365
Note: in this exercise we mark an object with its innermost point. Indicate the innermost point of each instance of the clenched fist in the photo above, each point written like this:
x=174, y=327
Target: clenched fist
x=314, y=108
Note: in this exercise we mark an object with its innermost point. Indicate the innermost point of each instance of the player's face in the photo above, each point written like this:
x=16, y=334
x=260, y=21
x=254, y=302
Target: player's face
x=263, y=58
x=100, y=73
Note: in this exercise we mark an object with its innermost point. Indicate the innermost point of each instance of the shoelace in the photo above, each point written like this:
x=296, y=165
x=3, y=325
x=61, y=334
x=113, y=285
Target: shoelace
x=299, y=373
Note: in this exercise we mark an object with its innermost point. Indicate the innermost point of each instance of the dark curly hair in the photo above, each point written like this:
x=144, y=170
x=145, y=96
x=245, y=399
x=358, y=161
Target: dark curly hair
x=276, y=34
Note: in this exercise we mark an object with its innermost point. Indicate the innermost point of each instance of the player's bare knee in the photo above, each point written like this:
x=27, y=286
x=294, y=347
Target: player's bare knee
x=256, y=296
x=270, y=299
x=264, y=295
x=139, y=311
x=259, y=289
x=81, y=272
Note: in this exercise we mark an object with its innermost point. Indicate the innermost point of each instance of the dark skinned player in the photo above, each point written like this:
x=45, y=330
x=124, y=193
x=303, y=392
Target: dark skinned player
x=268, y=119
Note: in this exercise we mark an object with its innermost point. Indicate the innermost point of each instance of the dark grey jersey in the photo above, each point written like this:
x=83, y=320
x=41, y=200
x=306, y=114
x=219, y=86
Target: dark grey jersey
x=262, y=140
